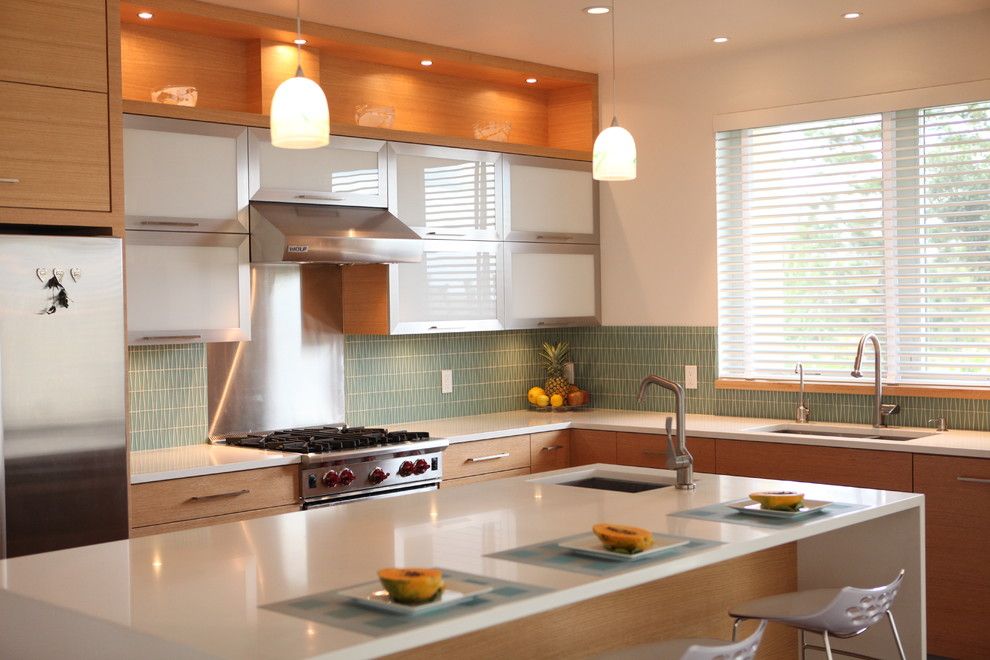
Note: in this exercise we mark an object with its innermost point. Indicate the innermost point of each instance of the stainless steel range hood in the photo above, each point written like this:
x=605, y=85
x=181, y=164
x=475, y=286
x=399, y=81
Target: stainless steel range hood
x=311, y=233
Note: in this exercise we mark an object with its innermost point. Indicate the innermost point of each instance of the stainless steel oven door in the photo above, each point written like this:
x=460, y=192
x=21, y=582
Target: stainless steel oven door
x=370, y=495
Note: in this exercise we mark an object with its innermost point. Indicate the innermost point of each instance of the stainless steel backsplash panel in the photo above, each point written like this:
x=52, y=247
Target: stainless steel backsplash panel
x=291, y=373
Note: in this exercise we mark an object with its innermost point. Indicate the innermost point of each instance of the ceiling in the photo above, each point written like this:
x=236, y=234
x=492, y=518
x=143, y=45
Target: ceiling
x=557, y=32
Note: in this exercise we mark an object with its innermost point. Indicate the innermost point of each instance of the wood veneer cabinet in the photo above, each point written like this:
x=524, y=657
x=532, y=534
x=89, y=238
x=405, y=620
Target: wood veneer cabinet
x=862, y=468
x=469, y=459
x=957, y=543
x=172, y=504
x=550, y=450
x=650, y=450
x=488, y=476
x=592, y=447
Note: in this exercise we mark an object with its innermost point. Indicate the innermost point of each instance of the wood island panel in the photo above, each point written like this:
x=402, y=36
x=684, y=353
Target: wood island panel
x=592, y=447
x=862, y=468
x=957, y=544
x=692, y=604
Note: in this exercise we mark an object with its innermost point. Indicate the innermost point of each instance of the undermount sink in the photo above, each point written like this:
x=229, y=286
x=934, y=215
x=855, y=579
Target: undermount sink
x=615, y=479
x=822, y=431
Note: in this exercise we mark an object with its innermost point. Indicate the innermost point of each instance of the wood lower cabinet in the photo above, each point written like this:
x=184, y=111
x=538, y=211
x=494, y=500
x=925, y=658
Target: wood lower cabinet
x=862, y=468
x=592, y=447
x=469, y=459
x=488, y=476
x=172, y=504
x=650, y=450
x=957, y=534
x=550, y=450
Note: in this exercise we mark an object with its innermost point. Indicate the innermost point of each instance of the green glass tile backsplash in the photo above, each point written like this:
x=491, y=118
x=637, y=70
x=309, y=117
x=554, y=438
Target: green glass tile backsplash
x=397, y=379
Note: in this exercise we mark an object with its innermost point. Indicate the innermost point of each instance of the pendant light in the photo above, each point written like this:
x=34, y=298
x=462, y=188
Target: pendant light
x=614, y=153
x=300, y=118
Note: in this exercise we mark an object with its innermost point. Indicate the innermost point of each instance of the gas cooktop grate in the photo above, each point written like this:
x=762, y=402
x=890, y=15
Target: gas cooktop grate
x=325, y=439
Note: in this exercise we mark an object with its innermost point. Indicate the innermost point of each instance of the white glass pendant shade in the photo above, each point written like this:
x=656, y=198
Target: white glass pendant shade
x=614, y=155
x=300, y=117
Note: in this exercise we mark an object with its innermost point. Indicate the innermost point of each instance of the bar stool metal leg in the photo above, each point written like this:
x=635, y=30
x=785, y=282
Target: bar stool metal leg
x=735, y=627
x=828, y=647
x=897, y=637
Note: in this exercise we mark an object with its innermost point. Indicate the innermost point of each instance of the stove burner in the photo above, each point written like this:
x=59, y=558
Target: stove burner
x=326, y=439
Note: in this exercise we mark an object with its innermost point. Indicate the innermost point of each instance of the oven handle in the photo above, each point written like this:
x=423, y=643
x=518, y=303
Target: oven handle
x=356, y=497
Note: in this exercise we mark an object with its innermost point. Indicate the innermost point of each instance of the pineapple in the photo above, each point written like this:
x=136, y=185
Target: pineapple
x=554, y=356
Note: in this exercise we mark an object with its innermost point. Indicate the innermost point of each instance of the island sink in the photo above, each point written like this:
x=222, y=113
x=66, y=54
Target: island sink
x=616, y=478
x=822, y=431
x=618, y=485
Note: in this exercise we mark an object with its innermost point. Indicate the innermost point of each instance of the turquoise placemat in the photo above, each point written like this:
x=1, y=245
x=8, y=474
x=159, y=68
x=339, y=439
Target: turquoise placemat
x=722, y=513
x=332, y=609
x=549, y=554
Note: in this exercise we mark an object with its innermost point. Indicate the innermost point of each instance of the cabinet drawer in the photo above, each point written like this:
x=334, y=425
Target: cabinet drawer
x=151, y=530
x=54, y=148
x=862, y=468
x=650, y=450
x=550, y=451
x=489, y=476
x=56, y=43
x=173, y=500
x=592, y=447
x=467, y=459
x=957, y=543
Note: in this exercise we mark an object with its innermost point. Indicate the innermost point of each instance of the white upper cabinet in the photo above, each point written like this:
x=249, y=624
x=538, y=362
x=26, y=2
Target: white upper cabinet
x=551, y=285
x=446, y=193
x=185, y=175
x=549, y=200
x=457, y=287
x=349, y=171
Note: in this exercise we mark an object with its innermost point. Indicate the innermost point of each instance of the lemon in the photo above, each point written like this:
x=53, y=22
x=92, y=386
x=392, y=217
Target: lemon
x=542, y=400
x=533, y=393
x=556, y=401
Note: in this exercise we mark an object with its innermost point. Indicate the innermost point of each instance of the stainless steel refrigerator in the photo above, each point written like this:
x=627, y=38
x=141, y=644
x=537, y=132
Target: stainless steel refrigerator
x=62, y=389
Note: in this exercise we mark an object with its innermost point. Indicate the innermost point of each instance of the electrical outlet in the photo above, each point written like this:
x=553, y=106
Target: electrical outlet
x=690, y=376
x=446, y=381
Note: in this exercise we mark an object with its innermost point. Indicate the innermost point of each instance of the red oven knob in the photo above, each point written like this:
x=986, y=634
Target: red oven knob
x=346, y=477
x=331, y=478
x=421, y=466
x=377, y=476
x=406, y=469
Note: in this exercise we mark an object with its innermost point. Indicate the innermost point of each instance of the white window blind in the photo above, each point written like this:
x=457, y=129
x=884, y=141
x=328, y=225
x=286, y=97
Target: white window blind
x=876, y=223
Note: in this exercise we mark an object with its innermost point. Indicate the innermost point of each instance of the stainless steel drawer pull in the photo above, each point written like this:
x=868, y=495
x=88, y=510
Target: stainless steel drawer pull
x=493, y=457
x=446, y=327
x=233, y=493
x=554, y=324
x=325, y=198
x=554, y=237
x=168, y=223
x=552, y=448
x=172, y=338
x=445, y=233
x=974, y=480
x=10, y=180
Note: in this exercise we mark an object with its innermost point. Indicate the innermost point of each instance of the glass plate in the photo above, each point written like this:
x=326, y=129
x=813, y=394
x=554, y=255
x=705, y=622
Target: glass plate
x=371, y=594
x=591, y=546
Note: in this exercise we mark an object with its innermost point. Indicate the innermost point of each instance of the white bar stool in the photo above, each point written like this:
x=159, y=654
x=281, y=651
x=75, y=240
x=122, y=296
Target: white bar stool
x=842, y=613
x=693, y=649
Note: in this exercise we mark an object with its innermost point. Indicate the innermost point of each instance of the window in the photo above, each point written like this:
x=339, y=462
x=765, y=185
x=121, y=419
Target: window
x=875, y=223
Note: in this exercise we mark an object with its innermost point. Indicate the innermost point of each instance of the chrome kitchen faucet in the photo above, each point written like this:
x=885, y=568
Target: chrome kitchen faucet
x=881, y=410
x=802, y=414
x=678, y=456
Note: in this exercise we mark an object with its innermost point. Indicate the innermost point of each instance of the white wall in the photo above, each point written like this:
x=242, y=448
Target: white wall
x=658, y=232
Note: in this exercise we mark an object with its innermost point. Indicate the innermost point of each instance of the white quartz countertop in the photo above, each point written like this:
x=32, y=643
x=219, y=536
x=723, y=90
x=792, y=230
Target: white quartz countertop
x=198, y=591
x=159, y=464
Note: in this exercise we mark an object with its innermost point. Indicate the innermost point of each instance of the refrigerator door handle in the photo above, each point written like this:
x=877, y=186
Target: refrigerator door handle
x=3, y=473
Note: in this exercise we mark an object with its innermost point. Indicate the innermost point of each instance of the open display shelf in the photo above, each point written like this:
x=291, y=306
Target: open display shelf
x=237, y=58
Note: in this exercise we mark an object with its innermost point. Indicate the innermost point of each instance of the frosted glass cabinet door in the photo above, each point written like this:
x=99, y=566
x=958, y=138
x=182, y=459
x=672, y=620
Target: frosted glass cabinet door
x=457, y=287
x=446, y=193
x=550, y=285
x=547, y=199
x=185, y=175
x=349, y=171
x=185, y=287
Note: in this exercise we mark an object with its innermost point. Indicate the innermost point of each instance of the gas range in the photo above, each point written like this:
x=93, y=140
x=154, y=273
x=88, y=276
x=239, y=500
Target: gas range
x=342, y=464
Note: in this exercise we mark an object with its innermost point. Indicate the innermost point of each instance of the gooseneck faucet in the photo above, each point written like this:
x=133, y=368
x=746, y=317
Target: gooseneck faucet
x=802, y=414
x=678, y=456
x=880, y=410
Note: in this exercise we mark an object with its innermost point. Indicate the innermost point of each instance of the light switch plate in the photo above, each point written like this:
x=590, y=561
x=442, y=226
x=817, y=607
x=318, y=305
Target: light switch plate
x=690, y=376
x=446, y=381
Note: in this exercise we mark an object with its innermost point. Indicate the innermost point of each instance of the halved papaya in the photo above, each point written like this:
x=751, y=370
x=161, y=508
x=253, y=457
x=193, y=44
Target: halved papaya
x=411, y=586
x=623, y=538
x=780, y=500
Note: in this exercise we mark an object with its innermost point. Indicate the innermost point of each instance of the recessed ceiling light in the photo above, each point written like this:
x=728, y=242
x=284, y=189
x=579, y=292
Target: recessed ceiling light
x=531, y=81
x=426, y=62
x=720, y=40
x=299, y=42
x=852, y=14
x=596, y=10
x=145, y=15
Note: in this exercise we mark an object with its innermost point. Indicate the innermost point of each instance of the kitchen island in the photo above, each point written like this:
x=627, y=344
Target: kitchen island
x=201, y=592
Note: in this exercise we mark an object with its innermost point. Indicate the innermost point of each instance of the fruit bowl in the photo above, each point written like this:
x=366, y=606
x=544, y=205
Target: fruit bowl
x=536, y=408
